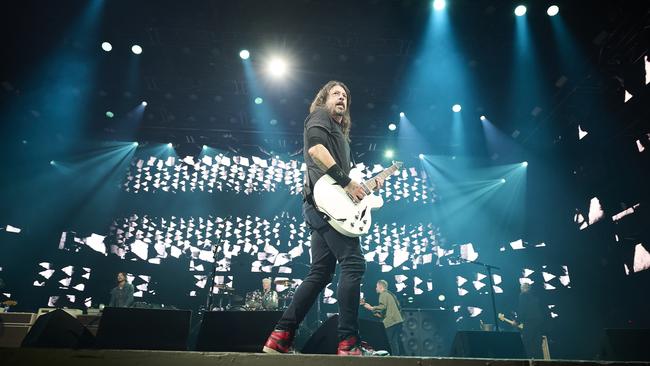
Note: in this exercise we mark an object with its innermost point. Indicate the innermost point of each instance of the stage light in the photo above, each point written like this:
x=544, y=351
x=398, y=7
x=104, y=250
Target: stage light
x=144, y=103
x=503, y=180
x=520, y=10
x=244, y=54
x=107, y=46
x=136, y=49
x=392, y=127
x=277, y=67
x=402, y=114
x=170, y=145
x=483, y=118
x=135, y=143
x=389, y=154
x=421, y=156
x=259, y=100
x=109, y=114
x=205, y=147
x=553, y=10
x=439, y=4
x=441, y=298
x=273, y=122
x=524, y=164
x=456, y=108
x=52, y=162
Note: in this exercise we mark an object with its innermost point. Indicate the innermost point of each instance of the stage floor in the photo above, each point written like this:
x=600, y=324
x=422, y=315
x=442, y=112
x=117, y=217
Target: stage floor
x=39, y=356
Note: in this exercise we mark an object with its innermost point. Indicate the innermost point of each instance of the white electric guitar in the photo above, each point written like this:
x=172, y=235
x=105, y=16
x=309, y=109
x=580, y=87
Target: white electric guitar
x=346, y=216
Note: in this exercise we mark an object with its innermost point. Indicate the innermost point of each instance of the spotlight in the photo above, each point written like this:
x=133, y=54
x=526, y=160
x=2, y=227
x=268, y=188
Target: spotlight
x=205, y=147
x=135, y=144
x=107, y=46
x=503, y=180
x=421, y=156
x=389, y=154
x=441, y=298
x=52, y=162
x=392, y=127
x=244, y=54
x=277, y=67
x=553, y=10
x=524, y=164
x=144, y=103
x=259, y=100
x=402, y=114
x=273, y=122
x=109, y=114
x=456, y=108
x=439, y=4
x=136, y=49
x=520, y=10
x=483, y=118
x=170, y=145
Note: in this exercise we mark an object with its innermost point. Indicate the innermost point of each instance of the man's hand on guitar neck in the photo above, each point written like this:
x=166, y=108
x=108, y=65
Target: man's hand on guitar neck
x=363, y=303
x=357, y=191
x=379, y=182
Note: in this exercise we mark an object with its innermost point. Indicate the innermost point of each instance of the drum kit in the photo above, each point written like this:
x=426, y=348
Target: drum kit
x=253, y=301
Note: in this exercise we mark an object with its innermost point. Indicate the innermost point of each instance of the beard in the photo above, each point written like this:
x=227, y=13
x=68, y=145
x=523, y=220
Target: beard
x=336, y=111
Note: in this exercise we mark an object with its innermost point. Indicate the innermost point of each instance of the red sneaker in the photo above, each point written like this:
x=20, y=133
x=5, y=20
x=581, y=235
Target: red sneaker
x=351, y=346
x=280, y=341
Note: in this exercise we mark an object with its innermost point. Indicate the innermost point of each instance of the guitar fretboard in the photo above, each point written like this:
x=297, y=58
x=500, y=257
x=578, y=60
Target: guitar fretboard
x=371, y=184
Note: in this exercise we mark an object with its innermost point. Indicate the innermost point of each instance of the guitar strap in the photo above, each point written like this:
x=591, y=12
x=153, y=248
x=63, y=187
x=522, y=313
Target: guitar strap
x=399, y=307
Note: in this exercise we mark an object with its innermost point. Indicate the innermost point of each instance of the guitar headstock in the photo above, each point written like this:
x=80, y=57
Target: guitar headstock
x=398, y=164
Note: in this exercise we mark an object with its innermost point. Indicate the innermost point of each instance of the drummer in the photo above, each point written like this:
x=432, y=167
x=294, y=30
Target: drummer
x=268, y=295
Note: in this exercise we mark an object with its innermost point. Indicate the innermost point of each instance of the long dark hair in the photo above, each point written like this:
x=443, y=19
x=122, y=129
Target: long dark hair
x=126, y=278
x=321, y=98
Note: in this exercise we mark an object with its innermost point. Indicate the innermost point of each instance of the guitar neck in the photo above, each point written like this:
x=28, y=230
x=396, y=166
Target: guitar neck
x=372, y=184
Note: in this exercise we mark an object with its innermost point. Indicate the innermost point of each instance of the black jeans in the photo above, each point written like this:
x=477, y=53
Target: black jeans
x=328, y=246
x=394, y=334
x=532, y=337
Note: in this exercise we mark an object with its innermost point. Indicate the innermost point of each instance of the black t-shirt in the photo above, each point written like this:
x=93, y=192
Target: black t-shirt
x=531, y=310
x=336, y=143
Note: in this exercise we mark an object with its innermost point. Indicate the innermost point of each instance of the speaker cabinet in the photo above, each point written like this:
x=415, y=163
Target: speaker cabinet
x=58, y=329
x=236, y=331
x=482, y=344
x=626, y=345
x=427, y=332
x=150, y=329
x=325, y=340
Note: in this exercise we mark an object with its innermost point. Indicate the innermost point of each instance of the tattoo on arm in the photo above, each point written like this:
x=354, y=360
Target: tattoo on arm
x=319, y=163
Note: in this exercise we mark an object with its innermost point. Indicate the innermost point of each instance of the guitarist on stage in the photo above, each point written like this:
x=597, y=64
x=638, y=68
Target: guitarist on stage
x=530, y=321
x=327, y=151
x=530, y=314
x=390, y=312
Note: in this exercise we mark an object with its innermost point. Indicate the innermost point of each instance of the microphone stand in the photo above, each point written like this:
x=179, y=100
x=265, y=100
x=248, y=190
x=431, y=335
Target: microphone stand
x=488, y=268
x=213, y=273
